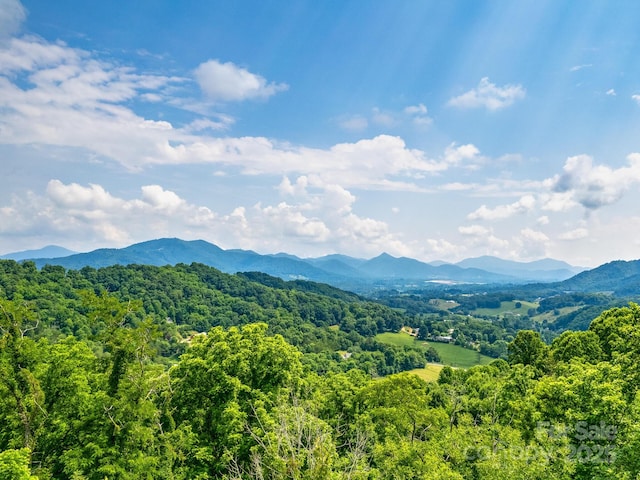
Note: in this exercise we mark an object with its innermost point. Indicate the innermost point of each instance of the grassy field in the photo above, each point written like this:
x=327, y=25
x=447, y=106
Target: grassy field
x=443, y=304
x=400, y=339
x=506, y=308
x=429, y=373
x=552, y=317
x=457, y=356
x=450, y=354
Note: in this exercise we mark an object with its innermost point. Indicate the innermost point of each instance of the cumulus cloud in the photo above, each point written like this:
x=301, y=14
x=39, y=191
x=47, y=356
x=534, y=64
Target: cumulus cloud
x=419, y=109
x=229, y=82
x=78, y=214
x=611, y=92
x=474, y=230
x=316, y=216
x=558, y=201
x=593, y=186
x=524, y=205
x=77, y=197
x=456, y=154
x=419, y=115
x=532, y=243
x=534, y=235
x=636, y=98
x=489, y=96
x=479, y=237
x=81, y=104
x=12, y=15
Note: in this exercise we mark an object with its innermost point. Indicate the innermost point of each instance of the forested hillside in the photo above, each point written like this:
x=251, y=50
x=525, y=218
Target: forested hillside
x=184, y=372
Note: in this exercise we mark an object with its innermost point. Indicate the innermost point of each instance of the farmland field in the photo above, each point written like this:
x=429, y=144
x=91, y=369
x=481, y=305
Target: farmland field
x=507, y=308
x=450, y=354
x=430, y=372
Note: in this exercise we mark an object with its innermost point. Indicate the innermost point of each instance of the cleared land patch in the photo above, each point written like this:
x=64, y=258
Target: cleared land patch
x=430, y=372
x=452, y=355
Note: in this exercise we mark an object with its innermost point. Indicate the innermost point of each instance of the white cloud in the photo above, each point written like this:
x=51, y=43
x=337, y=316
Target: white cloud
x=369, y=163
x=534, y=235
x=12, y=15
x=489, y=96
x=483, y=239
x=636, y=98
x=558, y=202
x=474, y=230
x=575, y=234
x=79, y=104
x=292, y=223
x=162, y=200
x=532, y=243
x=85, y=215
x=288, y=188
x=78, y=197
x=543, y=220
x=222, y=122
x=439, y=248
x=524, y=205
x=611, y=92
x=229, y=82
x=594, y=186
x=456, y=154
x=418, y=114
x=317, y=217
x=419, y=109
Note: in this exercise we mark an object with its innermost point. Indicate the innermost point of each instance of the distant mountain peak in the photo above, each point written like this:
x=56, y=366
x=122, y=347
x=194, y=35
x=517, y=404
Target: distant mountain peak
x=50, y=251
x=336, y=269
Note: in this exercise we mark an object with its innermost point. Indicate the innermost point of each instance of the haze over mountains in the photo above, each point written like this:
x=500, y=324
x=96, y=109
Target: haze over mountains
x=50, y=251
x=338, y=270
x=384, y=271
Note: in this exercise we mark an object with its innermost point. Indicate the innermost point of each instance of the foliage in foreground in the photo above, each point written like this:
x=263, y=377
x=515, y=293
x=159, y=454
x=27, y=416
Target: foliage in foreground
x=92, y=386
x=239, y=403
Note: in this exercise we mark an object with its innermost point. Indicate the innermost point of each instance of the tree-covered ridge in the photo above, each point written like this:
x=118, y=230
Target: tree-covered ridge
x=93, y=385
x=183, y=300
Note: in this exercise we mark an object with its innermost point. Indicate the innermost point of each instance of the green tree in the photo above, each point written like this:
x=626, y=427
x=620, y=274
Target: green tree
x=21, y=396
x=528, y=348
x=583, y=346
x=218, y=385
x=14, y=464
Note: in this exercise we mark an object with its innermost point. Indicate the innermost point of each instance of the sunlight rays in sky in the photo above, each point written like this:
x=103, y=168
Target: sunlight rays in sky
x=422, y=113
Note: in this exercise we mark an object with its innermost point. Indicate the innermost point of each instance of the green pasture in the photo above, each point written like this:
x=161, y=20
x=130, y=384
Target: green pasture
x=430, y=372
x=506, y=308
x=452, y=355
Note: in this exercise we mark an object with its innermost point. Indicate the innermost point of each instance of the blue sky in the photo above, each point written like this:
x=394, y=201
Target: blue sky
x=434, y=130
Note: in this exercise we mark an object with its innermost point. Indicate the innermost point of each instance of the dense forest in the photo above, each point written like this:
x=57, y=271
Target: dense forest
x=184, y=372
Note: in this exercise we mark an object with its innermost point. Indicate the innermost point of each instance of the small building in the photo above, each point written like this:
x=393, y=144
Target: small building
x=443, y=338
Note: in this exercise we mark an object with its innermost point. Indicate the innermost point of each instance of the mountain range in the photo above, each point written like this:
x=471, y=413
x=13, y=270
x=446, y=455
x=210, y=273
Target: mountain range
x=50, y=251
x=338, y=270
